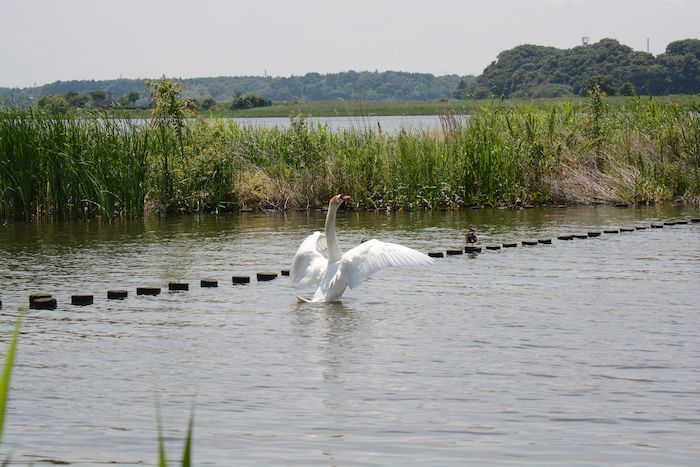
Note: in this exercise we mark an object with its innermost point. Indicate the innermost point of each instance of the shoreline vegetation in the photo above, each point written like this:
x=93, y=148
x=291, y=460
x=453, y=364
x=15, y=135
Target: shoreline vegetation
x=365, y=108
x=576, y=151
x=342, y=108
x=523, y=71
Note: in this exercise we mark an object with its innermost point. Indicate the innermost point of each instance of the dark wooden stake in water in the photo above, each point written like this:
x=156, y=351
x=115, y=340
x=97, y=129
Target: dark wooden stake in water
x=266, y=276
x=436, y=254
x=178, y=286
x=472, y=249
x=208, y=283
x=493, y=247
x=510, y=245
x=611, y=231
x=454, y=252
x=147, y=290
x=565, y=237
x=117, y=294
x=45, y=303
x=35, y=296
x=81, y=300
x=285, y=272
x=545, y=241
x=239, y=280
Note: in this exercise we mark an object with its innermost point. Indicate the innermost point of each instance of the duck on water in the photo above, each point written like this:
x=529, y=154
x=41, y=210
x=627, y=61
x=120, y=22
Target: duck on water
x=332, y=275
x=470, y=238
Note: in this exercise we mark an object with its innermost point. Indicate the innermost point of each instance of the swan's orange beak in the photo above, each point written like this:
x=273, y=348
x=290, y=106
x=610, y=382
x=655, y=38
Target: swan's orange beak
x=340, y=199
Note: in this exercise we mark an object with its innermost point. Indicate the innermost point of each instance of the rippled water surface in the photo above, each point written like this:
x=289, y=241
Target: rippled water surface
x=584, y=352
x=388, y=123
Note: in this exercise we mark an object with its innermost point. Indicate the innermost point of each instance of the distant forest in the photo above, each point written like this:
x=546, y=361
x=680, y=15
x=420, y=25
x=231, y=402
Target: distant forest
x=350, y=85
x=525, y=71
x=537, y=71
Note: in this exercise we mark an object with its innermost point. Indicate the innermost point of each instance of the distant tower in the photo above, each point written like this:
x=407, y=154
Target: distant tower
x=647, y=45
x=584, y=41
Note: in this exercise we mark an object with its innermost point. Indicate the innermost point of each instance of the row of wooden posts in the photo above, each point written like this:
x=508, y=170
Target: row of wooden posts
x=44, y=301
x=566, y=237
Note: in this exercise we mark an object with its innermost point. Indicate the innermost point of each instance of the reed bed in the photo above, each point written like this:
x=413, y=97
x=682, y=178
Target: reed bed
x=640, y=150
x=70, y=167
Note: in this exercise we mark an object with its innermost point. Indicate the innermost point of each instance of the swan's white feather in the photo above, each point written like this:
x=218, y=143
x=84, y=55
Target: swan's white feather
x=374, y=255
x=309, y=265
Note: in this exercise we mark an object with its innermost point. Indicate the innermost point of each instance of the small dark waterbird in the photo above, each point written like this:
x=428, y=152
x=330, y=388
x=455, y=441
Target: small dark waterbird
x=470, y=238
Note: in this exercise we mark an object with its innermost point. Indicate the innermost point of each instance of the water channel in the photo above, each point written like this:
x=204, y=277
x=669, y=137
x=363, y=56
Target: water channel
x=583, y=352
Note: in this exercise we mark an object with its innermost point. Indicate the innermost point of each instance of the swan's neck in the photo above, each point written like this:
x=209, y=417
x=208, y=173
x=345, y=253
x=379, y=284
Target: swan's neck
x=334, y=253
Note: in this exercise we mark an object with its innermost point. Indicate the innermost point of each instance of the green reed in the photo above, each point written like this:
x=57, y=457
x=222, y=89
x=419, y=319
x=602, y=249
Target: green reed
x=637, y=150
x=67, y=167
x=186, y=460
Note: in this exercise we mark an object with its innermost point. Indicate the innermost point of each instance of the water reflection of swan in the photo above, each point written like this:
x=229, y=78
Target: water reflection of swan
x=334, y=274
x=331, y=332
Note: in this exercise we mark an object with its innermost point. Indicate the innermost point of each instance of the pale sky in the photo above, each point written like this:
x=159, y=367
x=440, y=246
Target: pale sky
x=42, y=41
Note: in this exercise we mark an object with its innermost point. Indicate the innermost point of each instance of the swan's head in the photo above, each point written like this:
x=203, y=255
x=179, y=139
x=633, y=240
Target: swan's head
x=337, y=200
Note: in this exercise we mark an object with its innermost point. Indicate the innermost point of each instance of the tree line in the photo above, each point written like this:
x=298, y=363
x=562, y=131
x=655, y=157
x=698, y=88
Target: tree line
x=350, y=85
x=525, y=71
x=538, y=71
x=60, y=104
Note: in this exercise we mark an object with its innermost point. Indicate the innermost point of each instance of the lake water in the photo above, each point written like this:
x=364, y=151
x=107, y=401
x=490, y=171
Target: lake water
x=389, y=124
x=583, y=352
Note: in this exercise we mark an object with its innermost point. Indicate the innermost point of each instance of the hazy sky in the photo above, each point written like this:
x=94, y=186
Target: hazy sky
x=42, y=41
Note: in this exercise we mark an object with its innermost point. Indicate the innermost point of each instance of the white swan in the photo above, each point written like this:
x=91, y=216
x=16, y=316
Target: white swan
x=334, y=274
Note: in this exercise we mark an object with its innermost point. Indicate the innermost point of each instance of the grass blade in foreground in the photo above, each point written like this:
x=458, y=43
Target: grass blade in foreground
x=187, y=453
x=162, y=461
x=7, y=371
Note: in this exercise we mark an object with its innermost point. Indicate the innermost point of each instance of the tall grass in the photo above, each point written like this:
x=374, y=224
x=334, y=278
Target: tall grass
x=637, y=150
x=70, y=167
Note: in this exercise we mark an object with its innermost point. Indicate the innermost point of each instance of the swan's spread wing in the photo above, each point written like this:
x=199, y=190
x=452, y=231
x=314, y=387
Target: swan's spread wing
x=372, y=256
x=309, y=265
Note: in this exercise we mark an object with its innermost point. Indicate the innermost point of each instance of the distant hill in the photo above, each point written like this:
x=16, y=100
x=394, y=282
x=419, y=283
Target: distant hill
x=521, y=72
x=537, y=71
x=312, y=86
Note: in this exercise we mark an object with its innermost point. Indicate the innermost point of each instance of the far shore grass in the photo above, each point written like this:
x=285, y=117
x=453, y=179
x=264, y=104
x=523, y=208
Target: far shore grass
x=577, y=151
x=343, y=108
x=366, y=108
